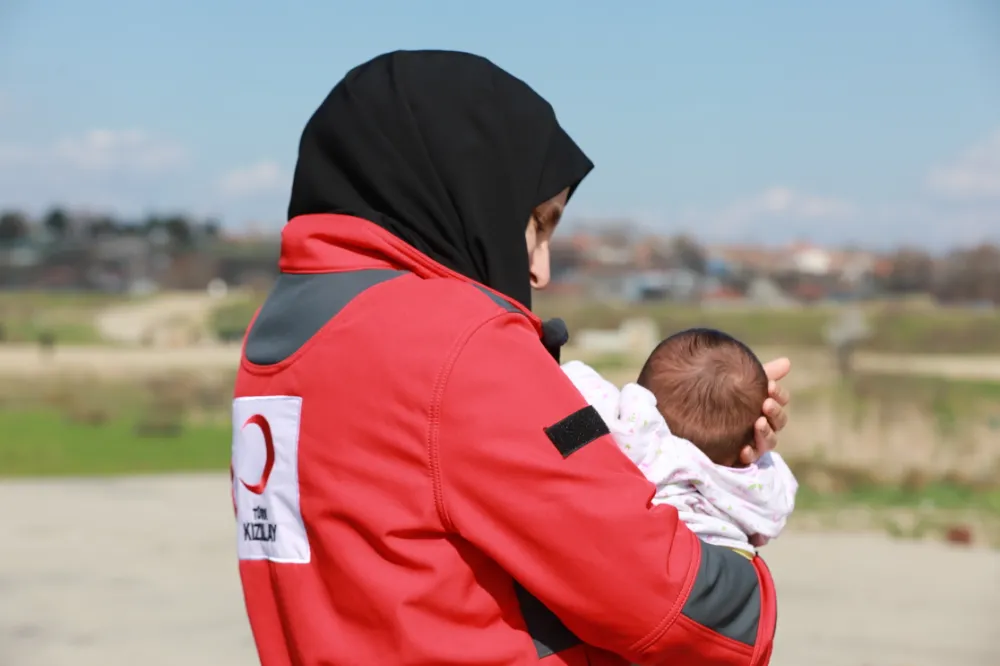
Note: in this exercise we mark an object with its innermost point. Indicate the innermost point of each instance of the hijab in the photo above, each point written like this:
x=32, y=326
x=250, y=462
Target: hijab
x=446, y=151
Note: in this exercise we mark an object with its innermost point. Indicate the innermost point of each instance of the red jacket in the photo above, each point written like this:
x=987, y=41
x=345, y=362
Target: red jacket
x=410, y=466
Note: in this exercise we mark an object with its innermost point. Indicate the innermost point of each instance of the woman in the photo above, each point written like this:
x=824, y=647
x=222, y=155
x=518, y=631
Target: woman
x=431, y=489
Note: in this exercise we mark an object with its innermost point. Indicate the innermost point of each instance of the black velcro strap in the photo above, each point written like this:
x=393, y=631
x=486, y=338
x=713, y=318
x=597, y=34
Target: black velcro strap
x=577, y=430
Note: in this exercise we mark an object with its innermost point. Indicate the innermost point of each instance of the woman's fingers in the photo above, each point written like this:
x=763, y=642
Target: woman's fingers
x=776, y=415
x=765, y=438
x=774, y=418
x=766, y=431
x=778, y=368
x=779, y=393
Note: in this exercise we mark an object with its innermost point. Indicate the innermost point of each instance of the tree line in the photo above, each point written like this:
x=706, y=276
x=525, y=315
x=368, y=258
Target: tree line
x=58, y=224
x=969, y=274
x=962, y=275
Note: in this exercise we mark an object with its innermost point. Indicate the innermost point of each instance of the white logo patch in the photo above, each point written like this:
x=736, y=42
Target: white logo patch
x=266, y=479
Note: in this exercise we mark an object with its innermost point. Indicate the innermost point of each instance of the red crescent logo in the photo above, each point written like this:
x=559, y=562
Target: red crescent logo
x=265, y=429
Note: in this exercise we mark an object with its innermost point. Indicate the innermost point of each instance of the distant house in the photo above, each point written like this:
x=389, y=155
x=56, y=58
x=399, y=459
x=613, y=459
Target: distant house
x=765, y=292
x=604, y=282
x=718, y=267
x=252, y=263
x=719, y=294
x=120, y=262
x=18, y=264
x=810, y=260
x=810, y=292
x=744, y=260
x=564, y=257
x=678, y=284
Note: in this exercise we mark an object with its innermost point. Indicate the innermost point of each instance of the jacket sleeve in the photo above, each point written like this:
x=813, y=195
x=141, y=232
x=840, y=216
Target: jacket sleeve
x=523, y=472
x=782, y=486
x=595, y=389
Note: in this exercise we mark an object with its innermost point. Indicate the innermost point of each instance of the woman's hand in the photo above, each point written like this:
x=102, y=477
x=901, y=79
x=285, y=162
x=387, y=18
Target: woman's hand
x=774, y=418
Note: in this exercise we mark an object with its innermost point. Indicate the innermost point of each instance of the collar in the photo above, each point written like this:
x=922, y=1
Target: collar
x=328, y=243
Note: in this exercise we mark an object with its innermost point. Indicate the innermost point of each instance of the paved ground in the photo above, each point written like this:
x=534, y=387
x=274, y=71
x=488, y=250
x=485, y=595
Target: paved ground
x=109, y=573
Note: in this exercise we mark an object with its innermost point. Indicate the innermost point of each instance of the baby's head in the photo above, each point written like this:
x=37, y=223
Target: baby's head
x=710, y=388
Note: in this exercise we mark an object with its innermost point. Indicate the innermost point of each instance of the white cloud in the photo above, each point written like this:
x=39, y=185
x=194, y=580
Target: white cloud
x=99, y=151
x=126, y=171
x=106, y=150
x=262, y=177
x=975, y=174
x=781, y=201
x=784, y=201
x=774, y=204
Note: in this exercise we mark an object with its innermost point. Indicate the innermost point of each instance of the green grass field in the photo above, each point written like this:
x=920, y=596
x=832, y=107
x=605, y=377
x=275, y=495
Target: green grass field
x=48, y=442
x=229, y=321
x=936, y=495
x=24, y=316
x=947, y=399
x=65, y=427
x=44, y=443
x=68, y=316
x=896, y=329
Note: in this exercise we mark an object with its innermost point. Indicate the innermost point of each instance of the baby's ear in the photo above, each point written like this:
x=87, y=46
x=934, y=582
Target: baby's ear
x=748, y=455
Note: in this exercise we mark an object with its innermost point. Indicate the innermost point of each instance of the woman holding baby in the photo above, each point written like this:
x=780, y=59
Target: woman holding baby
x=434, y=490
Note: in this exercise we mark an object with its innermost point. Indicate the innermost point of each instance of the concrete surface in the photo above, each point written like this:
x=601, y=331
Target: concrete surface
x=142, y=571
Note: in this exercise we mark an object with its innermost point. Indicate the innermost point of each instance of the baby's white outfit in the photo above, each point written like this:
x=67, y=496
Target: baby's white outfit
x=722, y=505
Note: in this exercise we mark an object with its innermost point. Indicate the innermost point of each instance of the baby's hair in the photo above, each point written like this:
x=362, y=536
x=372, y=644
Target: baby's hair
x=710, y=387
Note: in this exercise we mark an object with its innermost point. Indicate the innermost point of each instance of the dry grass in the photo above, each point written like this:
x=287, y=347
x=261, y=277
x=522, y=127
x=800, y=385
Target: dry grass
x=68, y=318
x=880, y=428
x=909, y=455
x=895, y=327
x=893, y=442
x=899, y=428
x=918, y=521
x=89, y=425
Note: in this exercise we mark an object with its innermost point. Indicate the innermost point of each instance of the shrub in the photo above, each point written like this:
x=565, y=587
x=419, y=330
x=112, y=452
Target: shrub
x=229, y=322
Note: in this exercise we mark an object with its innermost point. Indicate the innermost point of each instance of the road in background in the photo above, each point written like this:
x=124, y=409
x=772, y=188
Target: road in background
x=143, y=571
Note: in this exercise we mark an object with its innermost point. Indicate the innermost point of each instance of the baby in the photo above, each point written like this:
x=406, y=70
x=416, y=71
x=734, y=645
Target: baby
x=688, y=423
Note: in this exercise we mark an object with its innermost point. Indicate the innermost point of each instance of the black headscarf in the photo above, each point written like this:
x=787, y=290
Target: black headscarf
x=446, y=151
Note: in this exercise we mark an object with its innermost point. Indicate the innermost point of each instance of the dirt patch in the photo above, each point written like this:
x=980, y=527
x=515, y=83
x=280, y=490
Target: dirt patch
x=152, y=580
x=22, y=360
x=180, y=314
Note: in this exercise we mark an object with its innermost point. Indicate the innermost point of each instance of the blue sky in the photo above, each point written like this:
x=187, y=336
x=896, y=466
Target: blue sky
x=871, y=121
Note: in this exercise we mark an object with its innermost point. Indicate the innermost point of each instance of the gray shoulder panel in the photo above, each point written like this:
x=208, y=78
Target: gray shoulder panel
x=499, y=300
x=726, y=594
x=300, y=305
